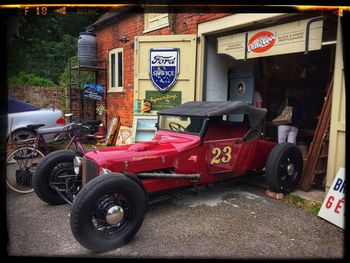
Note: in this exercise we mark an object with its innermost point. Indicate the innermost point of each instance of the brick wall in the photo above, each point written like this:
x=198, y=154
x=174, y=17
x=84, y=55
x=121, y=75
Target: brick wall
x=132, y=25
x=88, y=112
x=44, y=97
x=53, y=97
x=120, y=103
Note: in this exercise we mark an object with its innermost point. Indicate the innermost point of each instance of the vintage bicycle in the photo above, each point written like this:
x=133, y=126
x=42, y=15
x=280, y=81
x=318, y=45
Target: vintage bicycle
x=24, y=155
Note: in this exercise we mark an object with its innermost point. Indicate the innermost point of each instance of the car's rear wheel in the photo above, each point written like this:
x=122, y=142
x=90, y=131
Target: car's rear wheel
x=108, y=212
x=54, y=179
x=284, y=167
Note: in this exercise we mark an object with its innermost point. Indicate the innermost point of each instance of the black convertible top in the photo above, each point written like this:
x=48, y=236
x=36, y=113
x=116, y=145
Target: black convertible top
x=217, y=108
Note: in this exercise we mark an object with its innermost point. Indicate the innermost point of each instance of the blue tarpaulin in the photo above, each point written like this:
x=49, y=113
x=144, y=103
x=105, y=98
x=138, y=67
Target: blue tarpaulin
x=14, y=106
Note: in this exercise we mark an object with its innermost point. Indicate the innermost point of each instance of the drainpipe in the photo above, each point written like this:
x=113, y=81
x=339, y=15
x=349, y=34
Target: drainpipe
x=315, y=19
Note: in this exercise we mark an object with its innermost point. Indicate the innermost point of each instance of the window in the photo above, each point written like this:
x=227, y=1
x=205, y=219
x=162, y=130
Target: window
x=155, y=21
x=116, y=70
x=144, y=128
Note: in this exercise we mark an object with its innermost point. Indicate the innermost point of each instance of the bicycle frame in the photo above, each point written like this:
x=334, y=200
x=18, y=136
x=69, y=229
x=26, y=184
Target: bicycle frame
x=74, y=140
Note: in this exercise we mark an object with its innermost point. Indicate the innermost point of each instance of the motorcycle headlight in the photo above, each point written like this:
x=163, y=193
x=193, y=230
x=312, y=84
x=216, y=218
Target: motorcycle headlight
x=77, y=161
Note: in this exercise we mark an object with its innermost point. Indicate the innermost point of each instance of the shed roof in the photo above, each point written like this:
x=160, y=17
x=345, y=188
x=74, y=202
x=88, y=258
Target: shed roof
x=109, y=16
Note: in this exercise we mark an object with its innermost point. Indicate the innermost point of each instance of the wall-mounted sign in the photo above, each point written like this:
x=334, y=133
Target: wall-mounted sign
x=298, y=36
x=161, y=101
x=261, y=42
x=333, y=207
x=93, y=91
x=164, y=68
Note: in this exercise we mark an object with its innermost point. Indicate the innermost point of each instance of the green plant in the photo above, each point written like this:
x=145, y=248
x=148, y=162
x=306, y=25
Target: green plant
x=43, y=44
x=100, y=110
x=310, y=206
x=85, y=76
x=25, y=78
x=64, y=103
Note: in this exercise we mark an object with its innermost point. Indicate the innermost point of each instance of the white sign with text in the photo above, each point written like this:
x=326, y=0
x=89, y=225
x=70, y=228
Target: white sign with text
x=333, y=207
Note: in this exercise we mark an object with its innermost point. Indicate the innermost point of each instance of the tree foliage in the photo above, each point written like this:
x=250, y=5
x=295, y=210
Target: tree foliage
x=85, y=76
x=45, y=44
x=30, y=79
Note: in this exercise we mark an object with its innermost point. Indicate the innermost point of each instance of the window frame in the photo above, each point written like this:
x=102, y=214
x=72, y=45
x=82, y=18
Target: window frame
x=157, y=16
x=116, y=87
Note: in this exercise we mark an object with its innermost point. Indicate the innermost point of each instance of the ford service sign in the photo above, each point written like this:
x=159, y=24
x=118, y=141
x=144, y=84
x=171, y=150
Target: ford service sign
x=164, y=67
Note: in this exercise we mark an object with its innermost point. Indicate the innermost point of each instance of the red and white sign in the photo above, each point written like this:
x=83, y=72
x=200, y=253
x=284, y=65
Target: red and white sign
x=276, y=40
x=333, y=207
x=261, y=42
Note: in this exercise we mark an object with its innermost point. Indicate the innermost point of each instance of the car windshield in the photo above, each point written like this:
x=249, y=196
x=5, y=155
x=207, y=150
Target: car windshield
x=186, y=124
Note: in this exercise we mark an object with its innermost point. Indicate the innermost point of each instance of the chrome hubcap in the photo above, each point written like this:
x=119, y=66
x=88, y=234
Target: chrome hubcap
x=115, y=215
x=290, y=169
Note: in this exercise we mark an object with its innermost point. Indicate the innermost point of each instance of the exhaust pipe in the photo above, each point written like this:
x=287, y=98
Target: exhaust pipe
x=169, y=175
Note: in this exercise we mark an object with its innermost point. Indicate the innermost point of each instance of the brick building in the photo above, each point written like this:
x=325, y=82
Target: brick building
x=214, y=53
x=128, y=22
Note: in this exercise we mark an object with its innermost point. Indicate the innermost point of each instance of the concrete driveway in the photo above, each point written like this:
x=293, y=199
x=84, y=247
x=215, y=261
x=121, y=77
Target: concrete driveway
x=234, y=220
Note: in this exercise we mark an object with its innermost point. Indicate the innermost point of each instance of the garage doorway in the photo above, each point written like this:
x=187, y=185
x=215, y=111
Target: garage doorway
x=307, y=75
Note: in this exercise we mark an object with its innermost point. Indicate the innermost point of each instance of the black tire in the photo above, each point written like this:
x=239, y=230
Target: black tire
x=94, y=200
x=284, y=168
x=46, y=175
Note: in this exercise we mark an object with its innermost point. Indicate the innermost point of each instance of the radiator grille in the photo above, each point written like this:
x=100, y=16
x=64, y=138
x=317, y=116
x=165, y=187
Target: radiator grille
x=89, y=170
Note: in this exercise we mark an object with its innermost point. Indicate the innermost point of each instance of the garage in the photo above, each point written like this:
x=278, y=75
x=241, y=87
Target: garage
x=210, y=68
x=303, y=69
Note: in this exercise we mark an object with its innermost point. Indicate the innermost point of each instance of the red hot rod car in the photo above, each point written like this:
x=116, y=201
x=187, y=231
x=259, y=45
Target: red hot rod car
x=195, y=144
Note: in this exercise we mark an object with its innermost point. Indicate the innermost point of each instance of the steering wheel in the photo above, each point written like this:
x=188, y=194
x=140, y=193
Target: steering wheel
x=174, y=126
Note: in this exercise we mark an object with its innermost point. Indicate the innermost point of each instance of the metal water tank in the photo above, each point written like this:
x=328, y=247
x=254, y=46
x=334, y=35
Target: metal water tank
x=87, y=49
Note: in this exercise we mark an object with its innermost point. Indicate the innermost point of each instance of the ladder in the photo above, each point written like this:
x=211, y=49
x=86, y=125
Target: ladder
x=315, y=166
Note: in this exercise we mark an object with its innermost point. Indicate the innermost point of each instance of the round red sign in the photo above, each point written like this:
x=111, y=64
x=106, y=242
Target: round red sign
x=261, y=42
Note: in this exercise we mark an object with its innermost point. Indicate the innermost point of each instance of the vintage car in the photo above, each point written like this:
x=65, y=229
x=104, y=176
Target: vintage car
x=196, y=143
x=21, y=114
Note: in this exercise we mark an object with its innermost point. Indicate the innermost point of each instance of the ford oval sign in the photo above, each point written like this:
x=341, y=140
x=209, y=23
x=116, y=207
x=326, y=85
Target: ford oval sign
x=164, y=68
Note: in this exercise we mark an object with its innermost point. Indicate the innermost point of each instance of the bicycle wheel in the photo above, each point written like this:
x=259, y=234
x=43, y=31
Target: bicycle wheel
x=19, y=167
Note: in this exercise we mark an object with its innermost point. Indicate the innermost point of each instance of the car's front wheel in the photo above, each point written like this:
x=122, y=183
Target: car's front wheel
x=108, y=212
x=54, y=179
x=284, y=167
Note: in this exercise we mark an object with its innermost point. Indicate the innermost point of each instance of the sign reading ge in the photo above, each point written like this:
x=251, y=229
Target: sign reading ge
x=333, y=207
x=164, y=68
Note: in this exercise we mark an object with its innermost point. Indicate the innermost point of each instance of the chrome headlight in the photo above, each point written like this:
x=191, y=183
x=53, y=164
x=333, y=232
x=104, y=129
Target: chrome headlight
x=77, y=161
x=104, y=171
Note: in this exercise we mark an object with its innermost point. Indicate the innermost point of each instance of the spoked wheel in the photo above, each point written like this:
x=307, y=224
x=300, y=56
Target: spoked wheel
x=284, y=167
x=62, y=179
x=108, y=212
x=23, y=135
x=54, y=179
x=19, y=168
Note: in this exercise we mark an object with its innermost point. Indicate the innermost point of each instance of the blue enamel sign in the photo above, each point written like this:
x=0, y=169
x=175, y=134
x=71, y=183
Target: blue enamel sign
x=164, y=68
x=93, y=91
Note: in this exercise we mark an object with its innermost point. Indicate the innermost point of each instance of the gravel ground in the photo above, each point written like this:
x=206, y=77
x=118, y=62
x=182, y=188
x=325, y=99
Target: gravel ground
x=235, y=220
